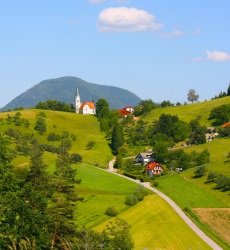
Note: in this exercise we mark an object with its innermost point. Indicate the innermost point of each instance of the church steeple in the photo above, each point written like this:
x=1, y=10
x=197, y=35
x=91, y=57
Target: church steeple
x=77, y=102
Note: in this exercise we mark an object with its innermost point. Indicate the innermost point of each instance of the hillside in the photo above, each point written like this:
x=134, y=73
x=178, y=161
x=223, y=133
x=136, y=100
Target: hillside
x=64, y=89
x=190, y=111
x=84, y=128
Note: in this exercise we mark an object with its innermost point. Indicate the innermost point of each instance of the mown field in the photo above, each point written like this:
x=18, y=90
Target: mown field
x=154, y=225
x=216, y=218
x=190, y=111
x=100, y=190
x=85, y=128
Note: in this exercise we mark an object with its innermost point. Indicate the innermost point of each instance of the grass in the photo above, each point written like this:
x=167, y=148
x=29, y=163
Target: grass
x=190, y=111
x=84, y=127
x=154, y=225
x=191, y=192
x=100, y=190
x=187, y=193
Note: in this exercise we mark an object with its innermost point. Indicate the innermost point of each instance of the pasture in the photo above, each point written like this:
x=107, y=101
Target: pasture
x=84, y=127
x=190, y=111
x=154, y=225
x=100, y=190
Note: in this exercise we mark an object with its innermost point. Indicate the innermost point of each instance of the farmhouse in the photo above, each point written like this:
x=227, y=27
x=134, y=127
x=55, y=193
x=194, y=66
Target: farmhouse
x=85, y=108
x=153, y=168
x=144, y=157
x=226, y=125
x=127, y=110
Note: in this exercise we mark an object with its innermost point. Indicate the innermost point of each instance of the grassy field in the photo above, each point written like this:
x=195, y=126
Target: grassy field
x=85, y=128
x=193, y=193
x=100, y=190
x=154, y=225
x=190, y=111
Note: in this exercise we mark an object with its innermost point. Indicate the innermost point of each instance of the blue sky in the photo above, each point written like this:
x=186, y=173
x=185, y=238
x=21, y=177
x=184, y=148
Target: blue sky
x=158, y=49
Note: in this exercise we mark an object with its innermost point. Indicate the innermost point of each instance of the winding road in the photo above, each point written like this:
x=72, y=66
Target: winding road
x=175, y=207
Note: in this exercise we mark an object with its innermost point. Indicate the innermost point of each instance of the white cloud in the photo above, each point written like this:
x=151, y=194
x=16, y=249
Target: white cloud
x=174, y=33
x=123, y=19
x=96, y=1
x=217, y=56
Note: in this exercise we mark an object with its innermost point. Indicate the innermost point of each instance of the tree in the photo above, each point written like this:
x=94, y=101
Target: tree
x=228, y=90
x=197, y=135
x=40, y=125
x=64, y=200
x=192, y=95
x=144, y=107
x=102, y=108
x=118, y=233
x=117, y=139
x=200, y=171
x=221, y=114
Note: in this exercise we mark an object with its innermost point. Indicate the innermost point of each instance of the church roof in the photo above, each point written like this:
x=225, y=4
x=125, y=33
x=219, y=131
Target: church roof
x=90, y=104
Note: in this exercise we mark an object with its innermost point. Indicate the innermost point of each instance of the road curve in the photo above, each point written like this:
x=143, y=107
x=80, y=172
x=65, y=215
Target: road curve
x=175, y=207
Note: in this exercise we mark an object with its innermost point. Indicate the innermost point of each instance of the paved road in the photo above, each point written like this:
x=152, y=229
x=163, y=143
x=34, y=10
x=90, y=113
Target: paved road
x=175, y=207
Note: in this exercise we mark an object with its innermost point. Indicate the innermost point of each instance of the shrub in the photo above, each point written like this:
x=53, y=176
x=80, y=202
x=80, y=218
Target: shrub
x=200, y=171
x=131, y=200
x=75, y=158
x=111, y=211
x=53, y=137
x=155, y=183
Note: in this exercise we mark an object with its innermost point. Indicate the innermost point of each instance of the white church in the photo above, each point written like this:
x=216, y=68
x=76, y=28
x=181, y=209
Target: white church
x=85, y=108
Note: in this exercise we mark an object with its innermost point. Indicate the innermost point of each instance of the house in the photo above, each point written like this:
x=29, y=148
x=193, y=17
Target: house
x=226, y=125
x=144, y=157
x=85, y=108
x=127, y=110
x=153, y=168
x=211, y=134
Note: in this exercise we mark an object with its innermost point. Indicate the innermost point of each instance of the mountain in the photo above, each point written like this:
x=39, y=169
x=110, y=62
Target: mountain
x=64, y=89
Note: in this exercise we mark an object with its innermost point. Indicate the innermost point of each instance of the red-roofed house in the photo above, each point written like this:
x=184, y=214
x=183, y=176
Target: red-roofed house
x=226, y=125
x=127, y=110
x=87, y=108
x=153, y=168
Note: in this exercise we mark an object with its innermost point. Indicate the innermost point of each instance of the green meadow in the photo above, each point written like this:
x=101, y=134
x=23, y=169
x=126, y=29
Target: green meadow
x=193, y=192
x=154, y=225
x=84, y=127
x=190, y=111
x=100, y=189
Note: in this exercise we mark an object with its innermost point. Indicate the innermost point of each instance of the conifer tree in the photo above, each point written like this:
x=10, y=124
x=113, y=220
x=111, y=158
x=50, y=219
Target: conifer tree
x=64, y=200
x=117, y=138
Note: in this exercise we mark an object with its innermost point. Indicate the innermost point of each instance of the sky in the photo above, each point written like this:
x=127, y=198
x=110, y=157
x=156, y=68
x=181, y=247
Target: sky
x=158, y=49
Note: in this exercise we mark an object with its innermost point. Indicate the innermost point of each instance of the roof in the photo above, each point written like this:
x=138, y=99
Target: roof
x=152, y=165
x=124, y=112
x=226, y=125
x=90, y=104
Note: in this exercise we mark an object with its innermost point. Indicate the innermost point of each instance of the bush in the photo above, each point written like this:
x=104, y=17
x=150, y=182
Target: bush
x=155, y=183
x=131, y=200
x=111, y=211
x=75, y=158
x=53, y=137
x=200, y=171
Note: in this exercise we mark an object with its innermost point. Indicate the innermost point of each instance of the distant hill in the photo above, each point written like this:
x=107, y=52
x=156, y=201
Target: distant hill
x=189, y=112
x=64, y=88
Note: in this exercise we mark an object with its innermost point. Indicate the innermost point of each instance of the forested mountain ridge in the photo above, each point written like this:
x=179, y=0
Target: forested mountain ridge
x=64, y=89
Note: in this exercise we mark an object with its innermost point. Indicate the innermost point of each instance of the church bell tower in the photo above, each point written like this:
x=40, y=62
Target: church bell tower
x=77, y=102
